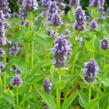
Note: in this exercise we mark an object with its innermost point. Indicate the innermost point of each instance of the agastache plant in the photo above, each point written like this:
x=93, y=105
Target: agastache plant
x=2, y=27
x=47, y=89
x=102, y=2
x=27, y=6
x=93, y=25
x=53, y=15
x=47, y=86
x=61, y=51
x=104, y=44
x=46, y=3
x=101, y=10
x=14, y=49
x=80, y=19
x=16, y=80
x=2, y=34
x=30, y=5
x=4, y=5
x=74, y=2
x=51, y=33
x=53, y=8
x=94, y=3
x=56, y=20
x=90, y=70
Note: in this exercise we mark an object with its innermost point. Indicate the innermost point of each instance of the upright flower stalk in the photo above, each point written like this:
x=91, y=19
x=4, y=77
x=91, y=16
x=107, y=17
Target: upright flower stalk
x=80, y=19
x=61, y=52
x=90, y=71
x=27, y=6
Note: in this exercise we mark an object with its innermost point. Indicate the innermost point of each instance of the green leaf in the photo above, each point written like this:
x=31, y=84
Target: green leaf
x=83, y=99
x=102, y=104
x=8, y=97
x=48, y=99
x=69, y=100
x=93, y=103
x=89, y=46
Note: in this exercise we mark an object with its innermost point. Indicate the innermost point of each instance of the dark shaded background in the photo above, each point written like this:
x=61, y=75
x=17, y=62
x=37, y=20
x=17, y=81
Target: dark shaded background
x=84, y=3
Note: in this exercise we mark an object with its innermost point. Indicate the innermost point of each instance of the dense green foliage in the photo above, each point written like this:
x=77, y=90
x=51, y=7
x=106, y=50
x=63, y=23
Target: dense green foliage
x=35, y=61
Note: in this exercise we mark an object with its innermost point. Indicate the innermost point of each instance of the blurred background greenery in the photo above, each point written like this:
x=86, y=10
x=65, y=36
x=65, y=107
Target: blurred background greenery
x=84, y=3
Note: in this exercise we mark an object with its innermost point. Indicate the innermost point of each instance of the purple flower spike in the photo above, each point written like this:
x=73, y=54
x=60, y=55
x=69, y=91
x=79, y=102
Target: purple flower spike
x=95, y=3
x=14, y=50
x=51, y=33
x=93, y=25
x=102, y=2
x=30, y=5
x=47, y=86
x=74, y=2
x=55, y=20
x=2, y=28
x=53, y=8
x=46, y=3
x=104, y=44
x=61, y=51
x=17, y=80
x=90, y=70
x=4, y=5
x=80, y=19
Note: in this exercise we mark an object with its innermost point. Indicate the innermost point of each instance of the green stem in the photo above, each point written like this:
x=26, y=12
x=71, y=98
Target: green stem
x=32, y=60
x=58, y=92
x=4, y=72
x=26, y=61
x=89, y=92
x=17, y=98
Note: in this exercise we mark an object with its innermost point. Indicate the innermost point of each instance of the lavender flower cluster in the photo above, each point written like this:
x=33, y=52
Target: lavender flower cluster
x=47, y=89
x=14, y=49
x=47, y=86
x=30, y=5
x=104, y=44
x=4, y=5
x=74, y=2
x=61, y=51
x=90, y=70
x=46, y=3
x=27, y=6
x=93, y=25
x=80, y=19
x=16, y=80
x=94, y=3
x=53, y=14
